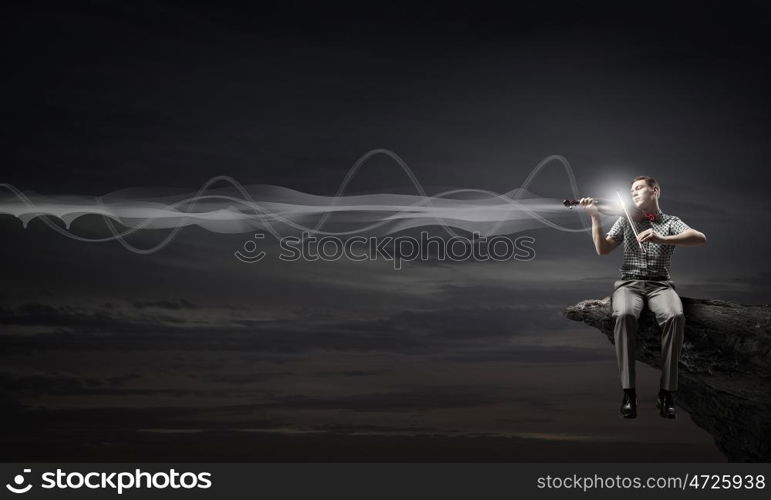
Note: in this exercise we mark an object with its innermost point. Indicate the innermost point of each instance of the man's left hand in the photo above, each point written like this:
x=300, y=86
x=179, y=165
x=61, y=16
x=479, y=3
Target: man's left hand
x=652, y=236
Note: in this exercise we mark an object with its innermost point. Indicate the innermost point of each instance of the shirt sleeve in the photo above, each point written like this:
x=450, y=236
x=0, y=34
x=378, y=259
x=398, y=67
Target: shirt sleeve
x=617, y=231
x=678, y=226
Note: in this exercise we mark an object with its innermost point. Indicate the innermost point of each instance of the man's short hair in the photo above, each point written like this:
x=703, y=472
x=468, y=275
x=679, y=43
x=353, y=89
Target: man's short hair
x=650, y=181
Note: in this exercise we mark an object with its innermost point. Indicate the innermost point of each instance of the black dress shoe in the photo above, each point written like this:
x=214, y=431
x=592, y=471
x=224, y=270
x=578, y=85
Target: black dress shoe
x=629, y=404
x=666, y=404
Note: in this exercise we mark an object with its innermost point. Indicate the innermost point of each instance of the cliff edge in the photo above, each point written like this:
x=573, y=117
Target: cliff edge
x=725, y=368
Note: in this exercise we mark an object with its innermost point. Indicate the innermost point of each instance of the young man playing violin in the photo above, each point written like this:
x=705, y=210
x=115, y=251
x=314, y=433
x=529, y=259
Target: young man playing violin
x=645, y=277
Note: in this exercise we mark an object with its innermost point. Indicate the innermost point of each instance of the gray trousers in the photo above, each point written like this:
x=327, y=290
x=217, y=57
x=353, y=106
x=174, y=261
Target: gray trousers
x=627, y=302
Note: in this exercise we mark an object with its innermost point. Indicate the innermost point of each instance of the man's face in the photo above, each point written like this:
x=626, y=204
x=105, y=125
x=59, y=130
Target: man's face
x=642, y=194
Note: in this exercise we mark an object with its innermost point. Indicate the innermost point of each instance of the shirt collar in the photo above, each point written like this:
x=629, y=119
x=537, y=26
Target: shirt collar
x=658, y=213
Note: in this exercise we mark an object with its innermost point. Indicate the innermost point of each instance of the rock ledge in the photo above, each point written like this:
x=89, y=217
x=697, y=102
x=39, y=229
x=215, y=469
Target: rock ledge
x=725, y=367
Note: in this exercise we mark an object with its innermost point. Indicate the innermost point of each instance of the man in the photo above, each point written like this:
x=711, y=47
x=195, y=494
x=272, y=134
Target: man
x=645, y=277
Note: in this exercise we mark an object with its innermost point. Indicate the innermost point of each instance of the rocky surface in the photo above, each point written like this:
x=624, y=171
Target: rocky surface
x=725, y=368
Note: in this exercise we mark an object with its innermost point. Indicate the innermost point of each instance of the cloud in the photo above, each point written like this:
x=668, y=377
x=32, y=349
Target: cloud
x=66, y=327
x=68, y=318
x=174, y=305
x=417, y=398
x=350, y=373
x=530, y=354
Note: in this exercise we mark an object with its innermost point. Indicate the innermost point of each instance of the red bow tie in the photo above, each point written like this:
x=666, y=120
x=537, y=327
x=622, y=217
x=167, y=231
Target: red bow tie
x=650, y=216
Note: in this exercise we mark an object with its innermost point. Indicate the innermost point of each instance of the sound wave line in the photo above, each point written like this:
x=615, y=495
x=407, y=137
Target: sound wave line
x=424, y=211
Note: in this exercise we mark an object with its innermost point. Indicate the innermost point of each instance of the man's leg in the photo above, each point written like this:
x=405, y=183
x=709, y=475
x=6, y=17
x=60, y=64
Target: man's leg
x=626, y=303
x=666, y=305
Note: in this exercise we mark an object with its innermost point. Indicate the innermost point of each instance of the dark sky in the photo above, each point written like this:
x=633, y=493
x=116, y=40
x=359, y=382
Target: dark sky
x=103, y=96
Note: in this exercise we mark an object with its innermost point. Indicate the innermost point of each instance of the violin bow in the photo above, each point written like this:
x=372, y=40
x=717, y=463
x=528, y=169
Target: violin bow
x=631, y=223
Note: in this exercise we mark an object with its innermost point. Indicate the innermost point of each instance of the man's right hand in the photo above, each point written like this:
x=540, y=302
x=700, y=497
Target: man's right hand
x=590, y=206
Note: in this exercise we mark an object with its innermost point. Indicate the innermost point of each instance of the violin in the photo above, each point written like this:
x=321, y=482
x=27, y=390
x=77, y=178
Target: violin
x=607, y=207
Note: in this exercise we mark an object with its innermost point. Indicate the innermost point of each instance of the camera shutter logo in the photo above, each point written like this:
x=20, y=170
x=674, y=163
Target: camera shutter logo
x=18, y=480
